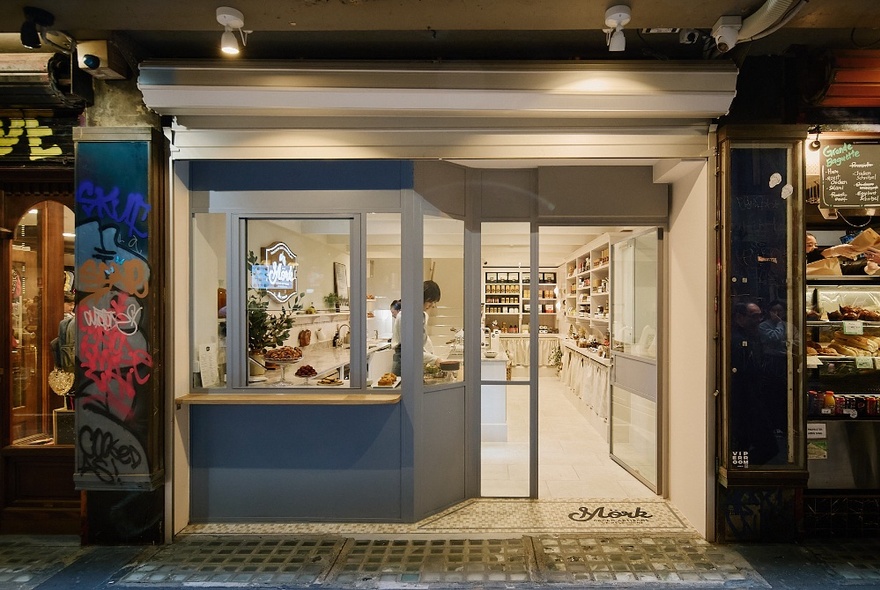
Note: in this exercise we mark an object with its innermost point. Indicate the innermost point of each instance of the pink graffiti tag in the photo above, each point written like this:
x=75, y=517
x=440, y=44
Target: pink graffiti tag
x=114, y=366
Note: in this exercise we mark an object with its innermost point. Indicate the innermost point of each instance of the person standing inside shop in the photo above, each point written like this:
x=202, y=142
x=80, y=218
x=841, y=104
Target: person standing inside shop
x=431, y=296
x=857, y=261
x=395, y=336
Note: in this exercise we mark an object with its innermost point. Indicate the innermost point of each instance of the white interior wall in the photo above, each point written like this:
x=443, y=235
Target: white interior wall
x=209, y=248
x=689, y=402
x=383, y=283
x=449, y=313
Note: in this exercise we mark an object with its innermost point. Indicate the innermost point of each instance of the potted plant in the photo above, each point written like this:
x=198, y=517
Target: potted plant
x=332, y=301
x=556, y=358
x=267, y=328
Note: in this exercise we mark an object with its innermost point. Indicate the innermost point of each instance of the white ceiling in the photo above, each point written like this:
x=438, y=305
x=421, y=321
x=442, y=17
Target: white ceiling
x=432, y=29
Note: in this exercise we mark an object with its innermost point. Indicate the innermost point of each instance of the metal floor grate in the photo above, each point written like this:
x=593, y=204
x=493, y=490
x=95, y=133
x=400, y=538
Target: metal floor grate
x=25, y=563
x=349, y=563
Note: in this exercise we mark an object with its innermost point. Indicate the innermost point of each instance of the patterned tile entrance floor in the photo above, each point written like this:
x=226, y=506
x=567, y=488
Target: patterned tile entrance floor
x=499, y=518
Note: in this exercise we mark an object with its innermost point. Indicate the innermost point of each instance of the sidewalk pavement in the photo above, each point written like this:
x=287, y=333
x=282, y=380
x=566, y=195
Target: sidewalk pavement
x=209, y=562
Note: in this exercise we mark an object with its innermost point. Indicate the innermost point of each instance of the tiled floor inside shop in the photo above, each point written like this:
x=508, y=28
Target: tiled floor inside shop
x=573, y=457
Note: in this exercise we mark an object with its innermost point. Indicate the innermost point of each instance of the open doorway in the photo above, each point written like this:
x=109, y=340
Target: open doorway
x=566, y=318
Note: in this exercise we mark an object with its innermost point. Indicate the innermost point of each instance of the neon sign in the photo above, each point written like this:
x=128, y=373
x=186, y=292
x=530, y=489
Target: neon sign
x=277, y=274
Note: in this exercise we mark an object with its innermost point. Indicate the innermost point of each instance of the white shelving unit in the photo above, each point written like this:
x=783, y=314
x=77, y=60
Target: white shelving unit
x=507, y=294
x=587, y=287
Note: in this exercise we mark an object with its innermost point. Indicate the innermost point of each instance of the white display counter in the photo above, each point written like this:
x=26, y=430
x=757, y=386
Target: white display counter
x=493, y=399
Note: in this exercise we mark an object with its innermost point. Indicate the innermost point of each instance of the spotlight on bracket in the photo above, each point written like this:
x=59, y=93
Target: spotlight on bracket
x=232, y=20
x=616, y=18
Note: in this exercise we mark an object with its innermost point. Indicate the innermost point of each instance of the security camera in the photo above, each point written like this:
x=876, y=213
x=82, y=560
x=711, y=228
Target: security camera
x=91, y=62
x=101, y=59
x=726, y=32
x=688, y=36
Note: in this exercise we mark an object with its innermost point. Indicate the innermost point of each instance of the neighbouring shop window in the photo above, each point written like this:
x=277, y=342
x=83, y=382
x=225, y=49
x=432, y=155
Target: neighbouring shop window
x=443, y=299
x=762, y=413
x=43, y=322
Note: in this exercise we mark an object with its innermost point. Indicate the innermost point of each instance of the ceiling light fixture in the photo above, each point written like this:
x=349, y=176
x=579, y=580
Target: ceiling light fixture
x=616, y=18
x=815, y=144
x=232, y=20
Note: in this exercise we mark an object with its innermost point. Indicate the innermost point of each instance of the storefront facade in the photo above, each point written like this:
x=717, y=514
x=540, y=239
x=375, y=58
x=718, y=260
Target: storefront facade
x=337, y=148
x=255, y=159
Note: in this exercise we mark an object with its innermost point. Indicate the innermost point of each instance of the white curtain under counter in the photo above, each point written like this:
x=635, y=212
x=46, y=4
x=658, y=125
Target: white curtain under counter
x=587, y=375
x=516, y=347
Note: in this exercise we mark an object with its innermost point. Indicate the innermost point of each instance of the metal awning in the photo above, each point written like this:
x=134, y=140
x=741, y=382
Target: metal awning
x=446, y=110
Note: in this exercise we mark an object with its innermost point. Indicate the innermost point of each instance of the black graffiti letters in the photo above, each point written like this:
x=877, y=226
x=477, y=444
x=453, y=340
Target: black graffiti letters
x=584, y=514
x=102, y=454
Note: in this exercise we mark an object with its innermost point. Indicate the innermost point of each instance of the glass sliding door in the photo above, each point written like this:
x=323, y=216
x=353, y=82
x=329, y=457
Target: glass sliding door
x=635, y=333
x=505, y=405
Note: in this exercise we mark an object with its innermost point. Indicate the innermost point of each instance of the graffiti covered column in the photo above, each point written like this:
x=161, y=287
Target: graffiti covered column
x=119, y=283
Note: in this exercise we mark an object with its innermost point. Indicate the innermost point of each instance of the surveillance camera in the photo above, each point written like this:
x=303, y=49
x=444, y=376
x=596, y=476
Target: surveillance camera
x=726, y=32
x=91, y=61
x=688, y=36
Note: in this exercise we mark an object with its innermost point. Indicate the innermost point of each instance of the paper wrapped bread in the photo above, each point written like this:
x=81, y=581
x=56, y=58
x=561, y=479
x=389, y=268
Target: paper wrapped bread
x=825, y=267
x=866, y=239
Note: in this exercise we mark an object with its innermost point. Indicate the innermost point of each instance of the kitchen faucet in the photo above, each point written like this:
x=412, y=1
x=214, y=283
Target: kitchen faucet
x=338, y=339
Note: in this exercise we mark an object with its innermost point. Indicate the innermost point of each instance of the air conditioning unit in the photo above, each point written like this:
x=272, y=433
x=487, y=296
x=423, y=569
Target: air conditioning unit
x=101, y=60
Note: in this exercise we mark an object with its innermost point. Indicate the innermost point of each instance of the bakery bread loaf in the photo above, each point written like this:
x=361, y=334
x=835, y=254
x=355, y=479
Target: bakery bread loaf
x=387, y=379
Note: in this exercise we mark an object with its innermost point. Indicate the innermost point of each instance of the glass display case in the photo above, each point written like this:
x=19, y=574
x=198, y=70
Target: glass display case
x=843, y=383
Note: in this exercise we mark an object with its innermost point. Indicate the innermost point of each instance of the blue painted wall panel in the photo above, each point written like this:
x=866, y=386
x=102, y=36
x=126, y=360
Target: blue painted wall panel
x=295, y=463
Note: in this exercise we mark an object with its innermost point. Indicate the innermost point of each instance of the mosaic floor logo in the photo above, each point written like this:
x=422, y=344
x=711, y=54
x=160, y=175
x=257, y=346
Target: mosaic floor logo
x=584, y=514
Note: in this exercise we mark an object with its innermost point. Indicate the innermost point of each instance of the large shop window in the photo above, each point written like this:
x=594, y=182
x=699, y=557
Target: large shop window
x=762, y=409
x=443, y=299
x=295, y=307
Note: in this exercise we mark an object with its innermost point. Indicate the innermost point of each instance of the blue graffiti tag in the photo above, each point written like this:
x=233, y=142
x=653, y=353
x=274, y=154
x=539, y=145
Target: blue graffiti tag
x=96, y=202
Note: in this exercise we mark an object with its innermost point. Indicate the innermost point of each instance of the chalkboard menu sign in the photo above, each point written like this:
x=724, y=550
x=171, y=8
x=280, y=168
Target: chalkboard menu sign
x=849, y=174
